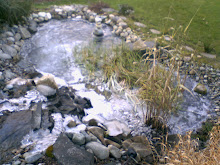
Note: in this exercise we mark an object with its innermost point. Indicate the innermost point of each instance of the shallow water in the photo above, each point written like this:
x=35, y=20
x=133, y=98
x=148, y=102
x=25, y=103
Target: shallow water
x=50, y=50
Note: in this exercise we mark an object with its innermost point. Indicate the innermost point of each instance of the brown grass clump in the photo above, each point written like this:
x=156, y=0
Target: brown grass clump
x=186, y=151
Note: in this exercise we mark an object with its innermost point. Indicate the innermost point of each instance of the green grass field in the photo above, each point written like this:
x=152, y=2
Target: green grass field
x=204, y=30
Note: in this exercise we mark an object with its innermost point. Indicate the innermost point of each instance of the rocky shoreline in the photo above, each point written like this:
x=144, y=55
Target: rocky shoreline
x=89, y=141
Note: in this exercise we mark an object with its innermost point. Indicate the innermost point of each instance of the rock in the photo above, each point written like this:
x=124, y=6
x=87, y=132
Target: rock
x=9, y=75
x=11, y=40
x=47, y=85
x=139, y=45
x=46, y=90
x=98, y=132
x=4, y=56
x=110, y=142
x=186, y=58
x=32, y=157
x=9, y=50
x=32, y=26
x=24, y=33
x=154, y=31
x=17, y=162
x=140, y=24
x=189, y=48
x=139, y=144
x=13, y=127
x=114, y=151
x=68, y=153
x=192, y=72
x=78, y=138
x=212, y=56
x=142, y=150
x=17, y=37
x=71, y=124
x=116, y=127
x=42, y=14
x=47, y=80
x=201, y=89
x=98, y=32
x=99, y=150
x=124, y=25
x=9, y=34
x=36, y=115
x=91, y=18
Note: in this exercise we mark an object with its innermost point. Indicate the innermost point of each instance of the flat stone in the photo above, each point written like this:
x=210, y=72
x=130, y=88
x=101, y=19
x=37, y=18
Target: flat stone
x=32, y=157
x=24, y=33
x=154, y=31
x=141, y=149
x=9, y=50
x=115, y=127
x=140, y=24
x=212, y=56
x=189, y=48
x=99, y=150
x=68, y=153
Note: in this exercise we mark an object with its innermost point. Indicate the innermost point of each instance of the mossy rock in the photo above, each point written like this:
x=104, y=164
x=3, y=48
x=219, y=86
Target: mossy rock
x=49, y=152
x=201, y=89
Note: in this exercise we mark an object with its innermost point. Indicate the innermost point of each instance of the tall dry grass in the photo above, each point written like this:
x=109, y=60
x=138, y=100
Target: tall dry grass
x=158, y=85
x=186, y=151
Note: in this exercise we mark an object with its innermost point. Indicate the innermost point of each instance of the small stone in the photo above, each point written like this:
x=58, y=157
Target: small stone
x=202, y=69
x=71, y=124
x=11, y=40
x=154, y=31
x=140, y=24
x=201, y=89
x=192, y=72
x=78, y=138
x=17, y=162
x=186, y=58
x=114, y=151
x=124, y=25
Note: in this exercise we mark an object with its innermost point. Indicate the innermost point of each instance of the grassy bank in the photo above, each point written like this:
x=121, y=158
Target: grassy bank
x=200, y=16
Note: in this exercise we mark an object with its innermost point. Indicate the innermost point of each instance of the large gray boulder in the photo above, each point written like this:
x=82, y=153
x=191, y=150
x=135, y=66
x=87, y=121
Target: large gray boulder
x=13, y=127
x=68, y=153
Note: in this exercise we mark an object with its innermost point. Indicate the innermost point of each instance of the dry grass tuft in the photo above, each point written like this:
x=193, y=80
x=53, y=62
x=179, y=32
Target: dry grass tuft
x=186, y=151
